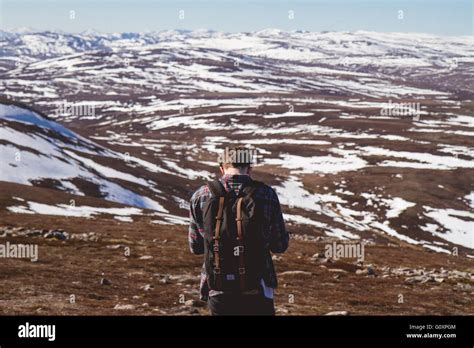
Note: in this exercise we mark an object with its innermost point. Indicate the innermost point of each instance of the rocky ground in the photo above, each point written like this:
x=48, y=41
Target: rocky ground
x=105, y=267
x=364, y=136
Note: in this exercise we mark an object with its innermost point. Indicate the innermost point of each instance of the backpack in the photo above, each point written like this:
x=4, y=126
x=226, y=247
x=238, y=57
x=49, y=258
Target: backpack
x=233, y=240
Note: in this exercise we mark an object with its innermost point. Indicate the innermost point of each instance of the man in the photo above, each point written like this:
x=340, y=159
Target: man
x=236, y=222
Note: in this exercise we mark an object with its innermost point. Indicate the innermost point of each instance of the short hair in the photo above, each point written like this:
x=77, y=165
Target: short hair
x=236, y=157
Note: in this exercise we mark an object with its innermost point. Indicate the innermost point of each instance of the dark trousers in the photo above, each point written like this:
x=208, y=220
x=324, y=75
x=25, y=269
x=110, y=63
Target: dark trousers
x=229, y=304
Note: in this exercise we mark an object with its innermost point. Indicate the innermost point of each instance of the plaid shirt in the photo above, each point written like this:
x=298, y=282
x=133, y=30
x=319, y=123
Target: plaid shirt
x=275, y=235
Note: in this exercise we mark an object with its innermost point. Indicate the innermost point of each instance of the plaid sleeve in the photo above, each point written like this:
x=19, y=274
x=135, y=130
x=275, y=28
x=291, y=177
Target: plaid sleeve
x=196, y=226
x=279, y=237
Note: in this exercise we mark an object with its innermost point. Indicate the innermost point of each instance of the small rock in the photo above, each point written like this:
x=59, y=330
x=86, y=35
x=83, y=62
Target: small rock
x=57, y=234
x=361, y=272
x=337, y=270
x=282, y=310
x=184, y=278
x=465, y=287
x=33, y=233
x=124, y=307
x=165, y=280
x=459, y=274
x=114, y=246
x=296, y=273
x=145, y=257
x=325, y=260
x=318, y=255
x=338, y=313
x=105, y=281
x=87, y=237
x=195, y=303
x=439, y=280
x=147, y=287
x=418, y=279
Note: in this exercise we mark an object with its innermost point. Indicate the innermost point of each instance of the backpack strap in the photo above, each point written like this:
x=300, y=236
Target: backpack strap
x=240, y=243
x=217, y=231
x=216, y=188
x=247, y=190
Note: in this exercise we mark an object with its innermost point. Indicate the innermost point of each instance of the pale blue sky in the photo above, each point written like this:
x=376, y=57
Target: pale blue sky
x=444, y=17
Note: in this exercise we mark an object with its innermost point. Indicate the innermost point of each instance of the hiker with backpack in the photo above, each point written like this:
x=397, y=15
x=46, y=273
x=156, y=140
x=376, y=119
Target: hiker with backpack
x=236, y=222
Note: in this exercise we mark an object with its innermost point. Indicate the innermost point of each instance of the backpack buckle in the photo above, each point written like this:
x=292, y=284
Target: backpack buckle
x=241, y=270
x=217, y=270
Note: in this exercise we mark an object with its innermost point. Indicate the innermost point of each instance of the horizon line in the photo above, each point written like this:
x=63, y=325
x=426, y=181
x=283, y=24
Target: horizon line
x=31, y=30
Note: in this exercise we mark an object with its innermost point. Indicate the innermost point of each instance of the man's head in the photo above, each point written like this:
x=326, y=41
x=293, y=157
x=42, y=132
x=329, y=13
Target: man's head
x=236, y=160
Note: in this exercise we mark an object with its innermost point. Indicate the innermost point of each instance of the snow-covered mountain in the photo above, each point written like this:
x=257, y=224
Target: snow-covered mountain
x=270, y=61
x=363, y=135
x=37, y=151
